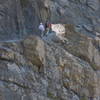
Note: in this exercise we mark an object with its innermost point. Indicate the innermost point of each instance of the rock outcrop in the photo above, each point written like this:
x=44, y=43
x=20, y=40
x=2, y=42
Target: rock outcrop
x=35, y=69
x=82, y=46
x=19, y=18
x=64, y=65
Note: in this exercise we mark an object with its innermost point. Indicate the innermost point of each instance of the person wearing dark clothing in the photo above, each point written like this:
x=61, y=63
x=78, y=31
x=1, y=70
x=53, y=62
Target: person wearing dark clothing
x=48, y=27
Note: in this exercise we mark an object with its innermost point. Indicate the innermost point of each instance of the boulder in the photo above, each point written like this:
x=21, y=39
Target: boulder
x=34, y=50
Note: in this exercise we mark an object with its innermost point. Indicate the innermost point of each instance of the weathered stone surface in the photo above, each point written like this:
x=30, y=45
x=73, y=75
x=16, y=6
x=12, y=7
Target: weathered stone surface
x=61, y=66
x=22, y=17
x=34, y=51
x=94, y=4
x=35, y=69
x=84, y=47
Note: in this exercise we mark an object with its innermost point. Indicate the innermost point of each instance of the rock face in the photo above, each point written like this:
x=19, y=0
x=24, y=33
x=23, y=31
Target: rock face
x=19, y=18
x=35, y=69
x=84, y=47
x=65, y=65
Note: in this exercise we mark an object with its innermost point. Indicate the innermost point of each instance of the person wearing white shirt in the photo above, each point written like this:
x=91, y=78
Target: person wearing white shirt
x=42, y=29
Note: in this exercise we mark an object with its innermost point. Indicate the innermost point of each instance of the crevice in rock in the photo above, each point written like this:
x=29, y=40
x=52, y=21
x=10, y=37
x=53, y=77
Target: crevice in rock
x=19, y=85
x=6, y=60
x=77, y=93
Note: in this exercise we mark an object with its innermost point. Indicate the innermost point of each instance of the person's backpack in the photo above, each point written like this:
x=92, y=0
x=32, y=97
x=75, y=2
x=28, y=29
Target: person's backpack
x=49, y=25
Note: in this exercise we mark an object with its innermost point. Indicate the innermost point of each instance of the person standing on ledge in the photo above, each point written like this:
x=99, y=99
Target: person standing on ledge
x=48, y=27
x=42, y=29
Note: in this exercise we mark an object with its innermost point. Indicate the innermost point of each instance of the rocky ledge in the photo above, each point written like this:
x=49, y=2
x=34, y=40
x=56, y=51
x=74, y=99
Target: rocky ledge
x=56, y=69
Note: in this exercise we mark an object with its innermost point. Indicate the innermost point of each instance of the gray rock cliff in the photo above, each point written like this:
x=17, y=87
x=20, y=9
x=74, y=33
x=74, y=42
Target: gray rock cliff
x=42, y=69
x=20, y=18
x=65, y=65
